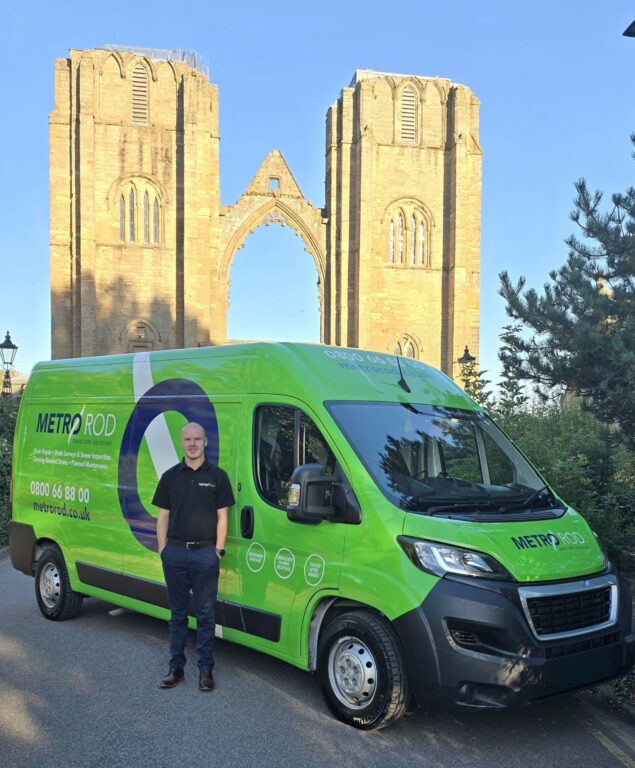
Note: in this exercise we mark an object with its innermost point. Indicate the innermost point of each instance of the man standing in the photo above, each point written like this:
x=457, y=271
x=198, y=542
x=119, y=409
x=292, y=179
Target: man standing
x=193, y=498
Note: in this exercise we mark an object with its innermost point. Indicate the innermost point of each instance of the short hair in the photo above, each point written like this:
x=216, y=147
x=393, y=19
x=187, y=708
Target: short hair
x=194, y=424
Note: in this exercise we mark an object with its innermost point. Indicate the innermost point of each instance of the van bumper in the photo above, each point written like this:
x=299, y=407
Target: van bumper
x=469, y=646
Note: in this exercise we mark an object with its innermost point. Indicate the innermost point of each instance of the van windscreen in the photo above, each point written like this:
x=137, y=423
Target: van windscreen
x=435, y=460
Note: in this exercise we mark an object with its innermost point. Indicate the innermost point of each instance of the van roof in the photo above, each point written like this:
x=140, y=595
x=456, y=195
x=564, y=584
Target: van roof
x=306, y=371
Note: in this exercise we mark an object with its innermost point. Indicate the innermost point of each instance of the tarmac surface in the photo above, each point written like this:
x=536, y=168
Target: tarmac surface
x=85, y=693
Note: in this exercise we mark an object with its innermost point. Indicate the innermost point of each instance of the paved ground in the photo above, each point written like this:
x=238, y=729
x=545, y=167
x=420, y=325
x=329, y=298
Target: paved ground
x=84, y=693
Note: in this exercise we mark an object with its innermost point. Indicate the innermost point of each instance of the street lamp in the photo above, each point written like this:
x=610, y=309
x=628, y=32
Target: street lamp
x=7, y=352
x=466, y=364
x=466, y=358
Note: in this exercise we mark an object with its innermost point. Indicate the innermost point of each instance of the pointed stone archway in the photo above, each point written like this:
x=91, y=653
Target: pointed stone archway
x=273, y=197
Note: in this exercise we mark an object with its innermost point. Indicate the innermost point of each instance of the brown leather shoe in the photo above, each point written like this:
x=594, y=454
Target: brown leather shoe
x=174, y=676
x=206, y=681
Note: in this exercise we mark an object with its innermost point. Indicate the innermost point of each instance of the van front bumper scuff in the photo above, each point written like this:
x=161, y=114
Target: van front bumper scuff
x=469, y=645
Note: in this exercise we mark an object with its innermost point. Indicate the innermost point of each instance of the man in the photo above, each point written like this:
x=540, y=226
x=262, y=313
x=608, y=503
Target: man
x=193, y=498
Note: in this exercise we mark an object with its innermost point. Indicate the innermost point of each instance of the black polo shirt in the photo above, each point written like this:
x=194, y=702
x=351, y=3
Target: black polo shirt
x=193, y=497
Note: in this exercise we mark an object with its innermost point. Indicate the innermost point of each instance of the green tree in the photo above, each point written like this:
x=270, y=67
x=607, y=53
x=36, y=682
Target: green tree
x=573, y=451
x=580, y=331
x=475, y=383
x=511, y=398
x=8, y=415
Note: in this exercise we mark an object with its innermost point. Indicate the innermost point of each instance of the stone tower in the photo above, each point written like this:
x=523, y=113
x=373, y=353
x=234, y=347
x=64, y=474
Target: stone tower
x=403, y=201
x=141, y=248
x=134, y=202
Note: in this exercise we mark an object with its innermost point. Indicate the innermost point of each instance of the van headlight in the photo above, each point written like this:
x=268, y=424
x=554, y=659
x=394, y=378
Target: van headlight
x=440, y=559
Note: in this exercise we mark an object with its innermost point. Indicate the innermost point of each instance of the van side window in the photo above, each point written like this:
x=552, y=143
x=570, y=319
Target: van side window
x=501, y=469
x=284, y=439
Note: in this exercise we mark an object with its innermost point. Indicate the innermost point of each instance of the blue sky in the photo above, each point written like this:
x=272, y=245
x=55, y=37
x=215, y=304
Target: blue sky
x=555, y=81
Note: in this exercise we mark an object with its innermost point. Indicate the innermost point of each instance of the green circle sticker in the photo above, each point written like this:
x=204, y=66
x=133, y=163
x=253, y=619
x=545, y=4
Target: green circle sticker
x=256, y=557
x=314, y=568
x=284, y=563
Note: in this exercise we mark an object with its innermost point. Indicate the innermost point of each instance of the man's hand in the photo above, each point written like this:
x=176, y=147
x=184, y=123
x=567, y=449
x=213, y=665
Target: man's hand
x=162, y=528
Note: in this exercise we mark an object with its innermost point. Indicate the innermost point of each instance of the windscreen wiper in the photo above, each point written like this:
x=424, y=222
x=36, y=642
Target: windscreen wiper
x=534, y=496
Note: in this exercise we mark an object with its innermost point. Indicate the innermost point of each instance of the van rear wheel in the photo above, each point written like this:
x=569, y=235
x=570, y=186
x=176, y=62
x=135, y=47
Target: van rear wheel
x=55, y=598
x=361, y=670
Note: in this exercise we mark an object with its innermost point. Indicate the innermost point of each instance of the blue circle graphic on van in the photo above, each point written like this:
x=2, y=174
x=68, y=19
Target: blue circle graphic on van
x=182, y=396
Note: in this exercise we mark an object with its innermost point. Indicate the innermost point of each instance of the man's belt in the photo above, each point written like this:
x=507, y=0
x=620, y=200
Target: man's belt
x=192, y=544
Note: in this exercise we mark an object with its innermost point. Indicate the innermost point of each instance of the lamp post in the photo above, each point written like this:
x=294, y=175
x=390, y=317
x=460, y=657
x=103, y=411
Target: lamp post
x=466, y=364
x=466, y=358
x=7, y=352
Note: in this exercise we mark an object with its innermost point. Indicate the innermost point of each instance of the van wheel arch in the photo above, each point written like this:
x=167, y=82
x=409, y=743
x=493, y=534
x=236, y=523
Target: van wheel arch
x=328, y=610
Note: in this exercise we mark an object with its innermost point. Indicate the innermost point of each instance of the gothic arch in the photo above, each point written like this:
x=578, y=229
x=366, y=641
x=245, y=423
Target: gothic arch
x=131, y=340
x=401, y=202
x=134, y=179
x=173, y=69
x=274, y=211
x=407, y=245
x=401, y=341
x=145, y=62
x=119, y=60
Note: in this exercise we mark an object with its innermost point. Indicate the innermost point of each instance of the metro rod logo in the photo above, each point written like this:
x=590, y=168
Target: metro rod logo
x=94, y=424
x=553, y=540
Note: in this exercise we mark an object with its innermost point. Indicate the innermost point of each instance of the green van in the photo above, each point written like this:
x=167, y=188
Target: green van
x=386, y=534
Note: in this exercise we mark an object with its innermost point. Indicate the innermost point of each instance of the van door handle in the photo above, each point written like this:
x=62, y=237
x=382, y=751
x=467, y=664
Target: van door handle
x=247, y=522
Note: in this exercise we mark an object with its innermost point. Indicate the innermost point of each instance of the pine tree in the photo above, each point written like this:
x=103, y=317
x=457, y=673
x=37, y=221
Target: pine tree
x=580, y=332
x=475, y=383
x=511, y=392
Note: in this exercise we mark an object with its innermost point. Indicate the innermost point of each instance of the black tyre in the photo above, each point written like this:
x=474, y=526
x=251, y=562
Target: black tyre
x=53, y=592
x=361, y=669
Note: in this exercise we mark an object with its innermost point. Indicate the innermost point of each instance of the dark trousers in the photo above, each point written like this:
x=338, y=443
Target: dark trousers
x=195, y=570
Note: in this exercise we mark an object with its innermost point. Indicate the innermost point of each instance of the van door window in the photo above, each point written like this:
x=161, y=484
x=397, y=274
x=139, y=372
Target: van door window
x=284, y=439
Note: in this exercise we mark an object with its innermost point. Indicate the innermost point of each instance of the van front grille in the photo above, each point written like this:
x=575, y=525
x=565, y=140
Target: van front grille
x=570, y=609
x=566, y=613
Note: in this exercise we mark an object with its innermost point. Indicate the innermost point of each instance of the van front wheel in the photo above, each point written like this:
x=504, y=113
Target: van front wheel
x=362, y=671
x=55, y=598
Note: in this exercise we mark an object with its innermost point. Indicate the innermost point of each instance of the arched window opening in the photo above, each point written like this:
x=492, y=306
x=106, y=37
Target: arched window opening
x=408, y=114
x=146, y=217
x=140, y=337
x=409, y=229
x=273, y=263
x=405, y=347
x=155, y=222
x=137, y=212
x=122, y=218
x=139, y=85
x=131, y=216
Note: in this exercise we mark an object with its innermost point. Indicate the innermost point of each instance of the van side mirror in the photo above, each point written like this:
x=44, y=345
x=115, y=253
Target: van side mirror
x=314, y=496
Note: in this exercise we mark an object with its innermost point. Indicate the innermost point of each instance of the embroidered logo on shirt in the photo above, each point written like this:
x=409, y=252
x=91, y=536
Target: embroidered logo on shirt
x=207, y=485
